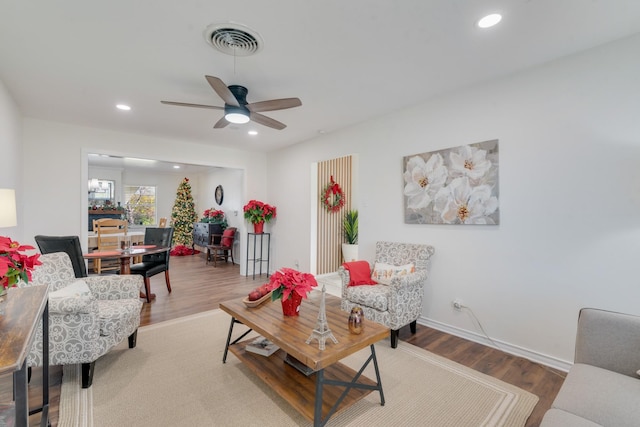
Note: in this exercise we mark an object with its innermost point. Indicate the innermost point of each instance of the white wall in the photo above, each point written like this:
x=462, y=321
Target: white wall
x=569, y=235
x=232, y=182
x=55, y=170
x=11, y=148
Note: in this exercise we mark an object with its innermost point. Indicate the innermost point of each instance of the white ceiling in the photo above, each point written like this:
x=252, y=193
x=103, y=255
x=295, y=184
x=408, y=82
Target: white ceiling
x=348, y=61
x=144, y=165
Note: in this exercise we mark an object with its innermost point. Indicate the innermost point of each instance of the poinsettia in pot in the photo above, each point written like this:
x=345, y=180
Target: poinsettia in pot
x=213, y=216
x=257, y=213
x=290, y=286
x=14, y=264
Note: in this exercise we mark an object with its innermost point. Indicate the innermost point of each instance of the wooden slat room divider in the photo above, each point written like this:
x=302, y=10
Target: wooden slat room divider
x=330, y=237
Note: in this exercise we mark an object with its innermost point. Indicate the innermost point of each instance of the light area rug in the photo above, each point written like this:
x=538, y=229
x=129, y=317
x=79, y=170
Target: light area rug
x=175, y=377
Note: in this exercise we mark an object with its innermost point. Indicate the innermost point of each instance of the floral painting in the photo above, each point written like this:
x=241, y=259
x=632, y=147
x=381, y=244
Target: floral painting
x=453, y=186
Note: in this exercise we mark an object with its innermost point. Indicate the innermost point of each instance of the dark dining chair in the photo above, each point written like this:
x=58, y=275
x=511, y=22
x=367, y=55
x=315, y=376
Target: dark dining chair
x=68, y=244
x=155, y=263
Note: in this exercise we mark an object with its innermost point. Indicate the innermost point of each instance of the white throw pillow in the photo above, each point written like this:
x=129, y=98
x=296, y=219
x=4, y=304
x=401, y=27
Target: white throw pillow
x=74, y=298
x=383, y=273
x=79, y=288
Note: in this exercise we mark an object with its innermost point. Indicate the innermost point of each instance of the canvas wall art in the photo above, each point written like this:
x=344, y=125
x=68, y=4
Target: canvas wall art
x=453, y=186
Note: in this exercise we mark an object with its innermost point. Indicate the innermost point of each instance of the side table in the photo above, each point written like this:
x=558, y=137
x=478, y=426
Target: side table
x=259, y=255
x=23, y=310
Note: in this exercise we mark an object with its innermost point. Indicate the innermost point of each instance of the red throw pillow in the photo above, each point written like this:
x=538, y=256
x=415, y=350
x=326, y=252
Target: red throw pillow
x=227, y=237
x=359, y=273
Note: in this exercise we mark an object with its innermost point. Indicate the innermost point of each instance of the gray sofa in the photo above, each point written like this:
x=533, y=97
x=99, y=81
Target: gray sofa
x=603, y=387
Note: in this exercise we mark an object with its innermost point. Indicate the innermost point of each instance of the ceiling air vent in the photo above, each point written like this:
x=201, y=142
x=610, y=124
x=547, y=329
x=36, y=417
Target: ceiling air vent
x=233, y=39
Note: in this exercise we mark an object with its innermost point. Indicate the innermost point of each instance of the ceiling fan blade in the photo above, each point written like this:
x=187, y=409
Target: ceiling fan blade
x=266, y=121
x=221, y=123
x=184, y=104
x=274, y=104
x=222, y=90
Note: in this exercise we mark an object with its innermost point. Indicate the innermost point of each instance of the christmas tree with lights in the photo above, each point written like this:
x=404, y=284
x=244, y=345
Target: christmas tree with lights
x=183, y=215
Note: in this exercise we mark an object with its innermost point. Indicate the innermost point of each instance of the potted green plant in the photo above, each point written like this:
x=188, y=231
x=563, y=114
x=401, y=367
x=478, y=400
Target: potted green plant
x=350, y=230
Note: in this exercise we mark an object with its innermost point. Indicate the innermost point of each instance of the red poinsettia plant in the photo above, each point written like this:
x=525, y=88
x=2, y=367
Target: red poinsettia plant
x=15, y=265
x=214, y=216
x=256, y=211
x=287, y=280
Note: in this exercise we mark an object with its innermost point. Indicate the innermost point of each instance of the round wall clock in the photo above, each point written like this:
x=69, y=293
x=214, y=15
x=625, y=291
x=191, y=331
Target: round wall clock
x=219, y=194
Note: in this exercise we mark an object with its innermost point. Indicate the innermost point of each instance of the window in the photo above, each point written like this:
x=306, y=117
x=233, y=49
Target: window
x=101, y=192
x=140, y=203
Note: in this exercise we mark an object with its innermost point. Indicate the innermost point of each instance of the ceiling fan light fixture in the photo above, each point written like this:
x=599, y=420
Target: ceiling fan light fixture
x=237, y=118
x=237, y=115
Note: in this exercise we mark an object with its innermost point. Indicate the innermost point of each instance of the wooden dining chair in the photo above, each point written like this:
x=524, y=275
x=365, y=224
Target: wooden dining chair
x=109, y=232
x=224, y=249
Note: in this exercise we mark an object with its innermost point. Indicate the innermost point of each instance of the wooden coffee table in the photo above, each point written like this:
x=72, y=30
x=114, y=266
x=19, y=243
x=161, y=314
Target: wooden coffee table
x=333, y=386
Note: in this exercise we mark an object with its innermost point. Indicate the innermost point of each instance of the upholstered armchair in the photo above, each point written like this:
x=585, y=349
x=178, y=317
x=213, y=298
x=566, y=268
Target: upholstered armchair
x=399, y=302
x=87, y=316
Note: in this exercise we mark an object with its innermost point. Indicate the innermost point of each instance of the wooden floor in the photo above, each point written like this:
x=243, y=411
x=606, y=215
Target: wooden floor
x=198, y=287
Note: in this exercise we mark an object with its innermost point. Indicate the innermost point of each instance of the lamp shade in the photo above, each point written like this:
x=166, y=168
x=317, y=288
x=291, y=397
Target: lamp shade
x=8, y=217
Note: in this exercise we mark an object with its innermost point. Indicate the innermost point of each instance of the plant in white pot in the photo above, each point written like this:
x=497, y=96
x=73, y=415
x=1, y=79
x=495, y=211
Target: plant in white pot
x=350, y=230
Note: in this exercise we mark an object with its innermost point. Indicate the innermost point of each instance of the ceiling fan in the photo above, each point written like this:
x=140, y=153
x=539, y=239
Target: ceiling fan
x=237, y=110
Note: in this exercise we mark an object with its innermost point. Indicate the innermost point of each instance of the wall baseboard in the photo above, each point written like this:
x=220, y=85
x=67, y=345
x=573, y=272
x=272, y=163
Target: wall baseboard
x=515, y=350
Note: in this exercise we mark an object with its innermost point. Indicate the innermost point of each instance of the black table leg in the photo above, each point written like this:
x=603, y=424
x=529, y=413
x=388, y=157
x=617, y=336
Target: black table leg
x=226, y=348
x=321, y=381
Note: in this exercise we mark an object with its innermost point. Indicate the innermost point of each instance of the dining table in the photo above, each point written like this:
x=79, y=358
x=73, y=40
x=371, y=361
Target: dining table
x=125, y=257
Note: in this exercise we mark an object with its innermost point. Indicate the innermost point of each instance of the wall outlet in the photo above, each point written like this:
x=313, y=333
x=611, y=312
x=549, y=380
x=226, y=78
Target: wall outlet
x=457, y=304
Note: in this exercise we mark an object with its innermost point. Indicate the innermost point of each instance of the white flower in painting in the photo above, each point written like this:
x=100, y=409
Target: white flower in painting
x=461, y=203
x=470, y=162
x=423, y=180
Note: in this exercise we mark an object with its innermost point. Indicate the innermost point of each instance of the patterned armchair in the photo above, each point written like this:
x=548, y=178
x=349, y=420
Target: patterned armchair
x=84, y=326
x=400, y=302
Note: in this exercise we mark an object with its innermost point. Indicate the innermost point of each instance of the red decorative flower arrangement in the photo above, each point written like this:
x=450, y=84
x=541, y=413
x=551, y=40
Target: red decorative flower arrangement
x=256, y=211
x=214, y=217
x=286, y=281
x=15, y=265
x=332, y=196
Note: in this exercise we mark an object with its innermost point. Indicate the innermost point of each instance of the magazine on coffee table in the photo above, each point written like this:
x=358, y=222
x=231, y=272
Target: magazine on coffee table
x=261, y=346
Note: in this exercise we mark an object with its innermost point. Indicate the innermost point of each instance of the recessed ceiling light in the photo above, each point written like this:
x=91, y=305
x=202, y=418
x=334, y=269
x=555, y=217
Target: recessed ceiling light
x=176, y=167
x=253, y=132
x=123, y=107
x=489, y=20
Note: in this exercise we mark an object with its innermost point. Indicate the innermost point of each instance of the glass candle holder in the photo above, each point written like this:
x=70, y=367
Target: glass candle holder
x=356, y=320
x=125, y=243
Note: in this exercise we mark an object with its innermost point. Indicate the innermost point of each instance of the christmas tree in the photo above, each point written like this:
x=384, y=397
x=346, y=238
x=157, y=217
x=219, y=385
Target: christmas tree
x=183, y=215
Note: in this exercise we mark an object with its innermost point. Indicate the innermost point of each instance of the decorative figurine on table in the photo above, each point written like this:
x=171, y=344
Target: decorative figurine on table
x=322, y=331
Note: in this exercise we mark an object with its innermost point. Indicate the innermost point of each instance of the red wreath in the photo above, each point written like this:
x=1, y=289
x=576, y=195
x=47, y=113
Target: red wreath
x=332, y=196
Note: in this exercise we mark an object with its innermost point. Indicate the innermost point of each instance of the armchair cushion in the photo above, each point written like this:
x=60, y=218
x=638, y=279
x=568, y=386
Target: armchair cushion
x=75, y=298
x=114, y=318
x=376, y=297
x=383, y=272
x=359, y=273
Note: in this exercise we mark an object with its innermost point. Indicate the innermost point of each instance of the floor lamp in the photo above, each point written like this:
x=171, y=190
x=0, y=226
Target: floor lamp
x=8, y=217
